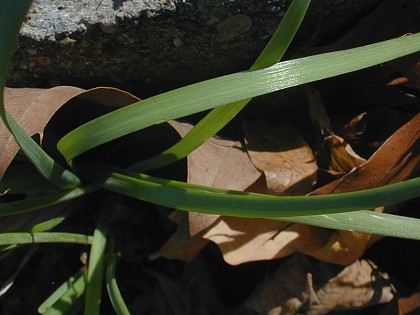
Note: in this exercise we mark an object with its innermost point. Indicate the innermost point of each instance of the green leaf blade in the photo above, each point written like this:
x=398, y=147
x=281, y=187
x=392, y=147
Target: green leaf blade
x=214, y=121
x=96, y=267
x=27, y=205
x=113, y=290
x=203, y=199
x=228, y=89
x=345, y=211
x=364, y=221
x=67, y=298
x=13, y=238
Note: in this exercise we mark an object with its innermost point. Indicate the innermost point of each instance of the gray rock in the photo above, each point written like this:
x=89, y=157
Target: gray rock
x=150, y=46
x=50, y=18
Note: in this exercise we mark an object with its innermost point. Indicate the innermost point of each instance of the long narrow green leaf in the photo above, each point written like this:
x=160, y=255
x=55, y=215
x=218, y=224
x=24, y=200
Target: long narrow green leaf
x=204, y=199
x=365, y=221
x=228, y=89
x=219, y=117
x=96, y=267
x=58, y=293
x=113, y=290
x=67, y=298
x=339, y=211
x=22, y=206
x=43, y=237
x=12, y=14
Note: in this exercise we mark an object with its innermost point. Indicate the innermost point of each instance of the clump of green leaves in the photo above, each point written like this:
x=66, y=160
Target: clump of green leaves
x=226, y=96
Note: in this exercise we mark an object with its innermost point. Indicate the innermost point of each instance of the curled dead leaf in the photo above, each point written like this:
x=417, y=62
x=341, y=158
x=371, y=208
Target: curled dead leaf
x=33, y=108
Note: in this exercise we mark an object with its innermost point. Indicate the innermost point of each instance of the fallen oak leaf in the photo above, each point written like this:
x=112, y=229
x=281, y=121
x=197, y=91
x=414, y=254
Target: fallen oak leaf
x=382, y=123
x=220, y=163
x=240, y=240
x=205, y=167
x=244, y=240
x=398, y=81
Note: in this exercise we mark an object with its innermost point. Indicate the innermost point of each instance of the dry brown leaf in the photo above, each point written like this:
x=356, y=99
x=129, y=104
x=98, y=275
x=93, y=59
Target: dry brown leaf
x=396, y=160
x=283, y=155
x=108, y=96
x=33, y=108
x=220, y=163
x=315, y=289
x=205, y=167
x=244, y=240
